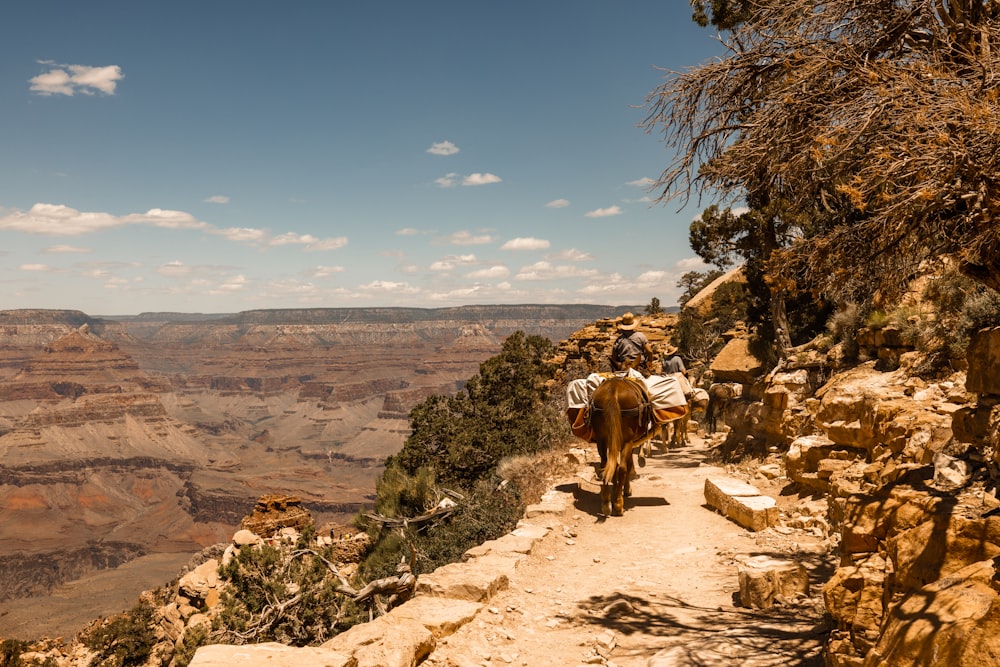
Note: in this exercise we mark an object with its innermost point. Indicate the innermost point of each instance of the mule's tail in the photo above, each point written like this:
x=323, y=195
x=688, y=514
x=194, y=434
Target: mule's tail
x=614, y=438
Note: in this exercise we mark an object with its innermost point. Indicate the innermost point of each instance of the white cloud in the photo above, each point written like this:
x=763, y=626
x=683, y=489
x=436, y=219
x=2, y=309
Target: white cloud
x=72, y=79
x=547, y=271
x=491, y=273
x=558, y=203
x=443, y=148
x=481, y=179
x=60, y=220
x=167, y=219
x=458, y=293
x=604, y=212
x=614, y=282
x=643, y=182
x=570, y=255
x=35, y=267
x=389, y=286
x=654, y=277
x=447, y=181
x=292, y=288
x=230, y=285
x=333, y=243
x=466, y=238
x=326, y=271
x=692, y=264
x=56, y=249
x=242, y=234
x=55, y=219
x=526, y=243
x=407, y=231
x=174, y=268
x=309, y=241
x=217, y=199
x=452, y=261
x=451, y=179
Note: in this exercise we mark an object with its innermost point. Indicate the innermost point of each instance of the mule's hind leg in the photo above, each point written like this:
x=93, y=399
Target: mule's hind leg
x=606, y=499
x=628, y=476
x=617, y=493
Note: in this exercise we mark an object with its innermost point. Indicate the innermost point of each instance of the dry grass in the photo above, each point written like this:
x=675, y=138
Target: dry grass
x=534, y=474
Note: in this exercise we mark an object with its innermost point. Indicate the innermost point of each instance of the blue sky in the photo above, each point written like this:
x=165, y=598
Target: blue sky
x=223, y=156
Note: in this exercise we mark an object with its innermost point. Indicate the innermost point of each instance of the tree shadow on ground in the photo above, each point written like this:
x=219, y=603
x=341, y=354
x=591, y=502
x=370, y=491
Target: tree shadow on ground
x=701, y=636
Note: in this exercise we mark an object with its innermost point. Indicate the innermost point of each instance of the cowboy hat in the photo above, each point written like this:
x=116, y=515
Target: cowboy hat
x=669, y=350
x=627, y=322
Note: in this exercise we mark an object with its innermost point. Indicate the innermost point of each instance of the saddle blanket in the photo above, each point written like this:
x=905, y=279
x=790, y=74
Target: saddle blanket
x=666, y=394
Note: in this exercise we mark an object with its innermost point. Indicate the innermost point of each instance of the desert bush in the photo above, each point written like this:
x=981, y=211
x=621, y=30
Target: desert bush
x=531, y=474
x=122, y=640
x=10, y=652
x=501, y=412
x=960, y=307
x=281, y=593
x=842, y=328
x=192, y=639
x=876, y=319
x=489, y=510
x=457, y=442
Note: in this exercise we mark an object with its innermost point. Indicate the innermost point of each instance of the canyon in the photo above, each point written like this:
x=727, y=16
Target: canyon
x=142, y=439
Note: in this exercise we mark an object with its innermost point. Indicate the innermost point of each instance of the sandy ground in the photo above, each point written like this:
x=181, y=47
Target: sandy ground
x=655, y=587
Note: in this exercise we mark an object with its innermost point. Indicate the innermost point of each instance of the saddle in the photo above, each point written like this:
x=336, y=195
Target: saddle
x=580, y=417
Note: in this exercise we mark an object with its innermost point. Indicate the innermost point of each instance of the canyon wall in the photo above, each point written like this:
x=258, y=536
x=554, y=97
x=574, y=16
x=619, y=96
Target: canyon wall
x=124, y=437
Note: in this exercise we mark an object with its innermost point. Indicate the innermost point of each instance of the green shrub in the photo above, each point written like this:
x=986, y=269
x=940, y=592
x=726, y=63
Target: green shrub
x=458, y=442
x=123, y=640
x=10, y=652
x=279, y=593
x=500, y=413
x=961, y=306
x=193, y=638
x=877, y=319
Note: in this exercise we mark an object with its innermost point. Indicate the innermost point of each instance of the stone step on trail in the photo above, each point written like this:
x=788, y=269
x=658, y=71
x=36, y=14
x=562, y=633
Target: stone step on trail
x=741, y=502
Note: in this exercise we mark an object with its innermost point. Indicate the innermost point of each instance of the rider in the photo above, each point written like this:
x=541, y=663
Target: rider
x=631, y=349
x=671, y=361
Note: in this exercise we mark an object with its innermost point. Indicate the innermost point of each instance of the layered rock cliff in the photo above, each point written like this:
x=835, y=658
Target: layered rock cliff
x=111, y=425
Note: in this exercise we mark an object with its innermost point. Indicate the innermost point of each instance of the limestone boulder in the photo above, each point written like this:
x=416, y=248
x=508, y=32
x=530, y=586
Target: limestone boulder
x=954, y=621
x=735, y=363
x=386, y=641
x=866, y=520
x=940, y=546
x=854, y=595
x=274, y=512
x=269, y=654
x=765, y=580
x=198, y=583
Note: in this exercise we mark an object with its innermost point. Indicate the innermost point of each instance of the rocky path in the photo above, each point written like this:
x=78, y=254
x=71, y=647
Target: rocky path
x=653, y=588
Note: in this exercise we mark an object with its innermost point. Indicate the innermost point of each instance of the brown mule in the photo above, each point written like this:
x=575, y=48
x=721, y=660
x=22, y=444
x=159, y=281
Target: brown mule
x=620, y=416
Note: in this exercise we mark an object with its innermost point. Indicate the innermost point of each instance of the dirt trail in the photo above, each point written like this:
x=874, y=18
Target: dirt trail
x=653, y=588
